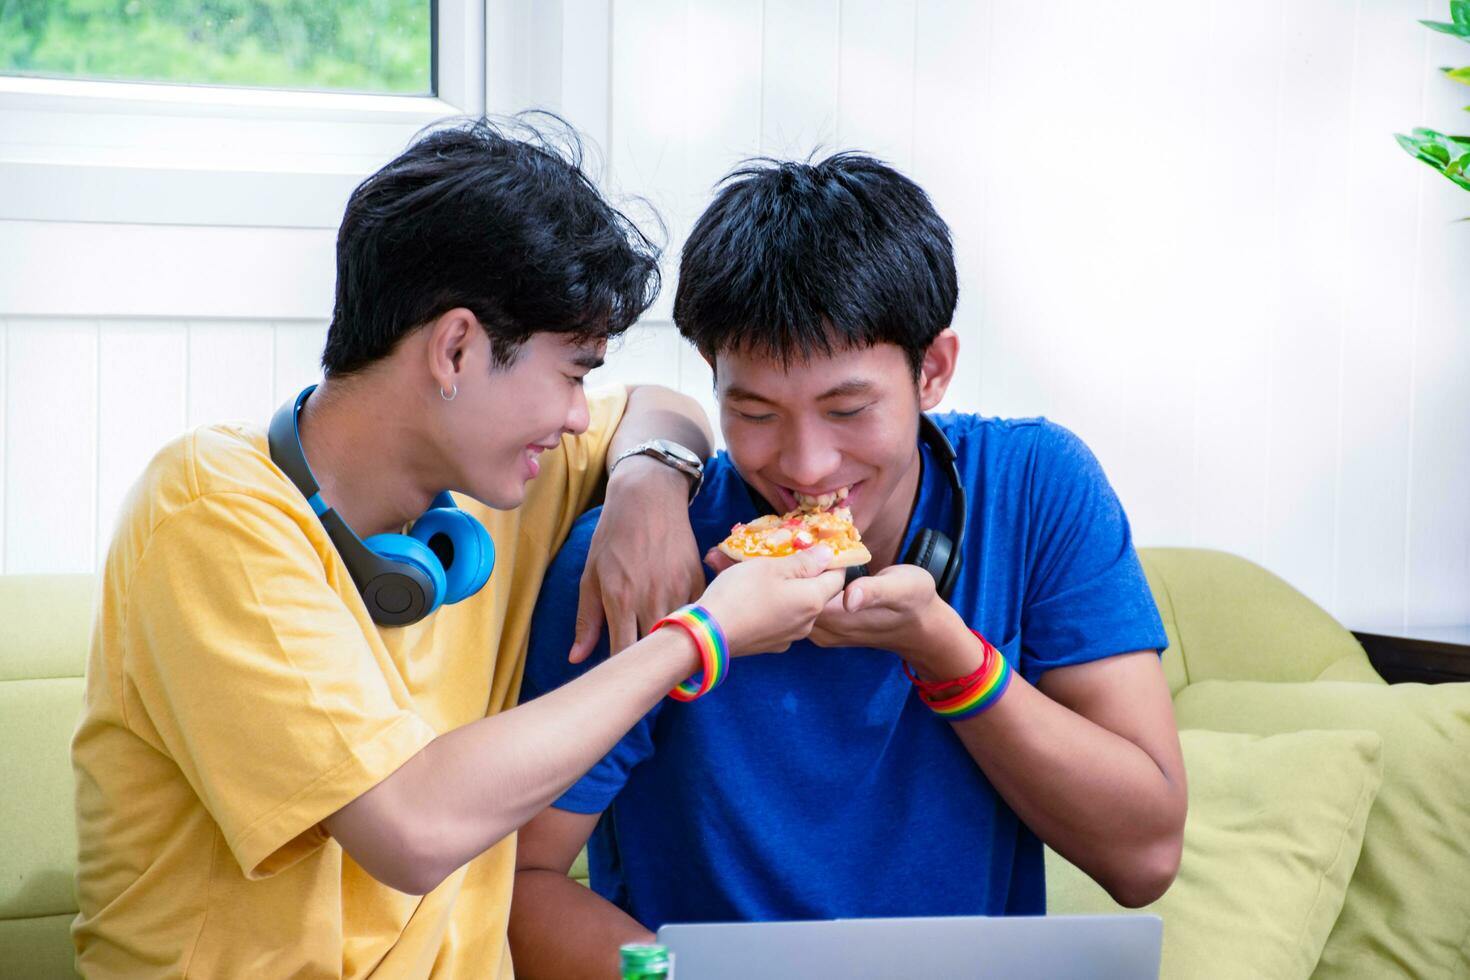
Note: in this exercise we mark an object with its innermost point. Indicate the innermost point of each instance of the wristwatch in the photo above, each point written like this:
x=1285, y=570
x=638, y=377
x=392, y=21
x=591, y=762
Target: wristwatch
x=669, y=453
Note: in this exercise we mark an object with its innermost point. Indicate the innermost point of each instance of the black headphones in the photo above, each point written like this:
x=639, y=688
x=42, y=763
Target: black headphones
x=446, y=556
x=932, y=550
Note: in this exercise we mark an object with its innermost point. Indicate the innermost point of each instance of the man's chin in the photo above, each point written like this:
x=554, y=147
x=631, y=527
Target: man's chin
x=503, y=498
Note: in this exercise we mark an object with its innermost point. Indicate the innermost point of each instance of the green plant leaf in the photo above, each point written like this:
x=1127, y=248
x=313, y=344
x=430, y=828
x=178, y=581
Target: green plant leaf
x=1460, y=11
x=1410, y=145
x=1458, y=30
x=1421, y=149
x=1461, y=75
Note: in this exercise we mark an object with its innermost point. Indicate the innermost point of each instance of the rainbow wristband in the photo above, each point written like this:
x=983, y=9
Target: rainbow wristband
x=714, y=652
x=989, y=683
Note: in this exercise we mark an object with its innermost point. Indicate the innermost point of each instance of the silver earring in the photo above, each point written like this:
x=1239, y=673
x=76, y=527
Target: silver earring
x=453, y=390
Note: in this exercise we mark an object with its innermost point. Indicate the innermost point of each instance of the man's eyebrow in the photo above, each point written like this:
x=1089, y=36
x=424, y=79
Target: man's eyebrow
x=589, y=361
x=746, y=395
x=852, y=386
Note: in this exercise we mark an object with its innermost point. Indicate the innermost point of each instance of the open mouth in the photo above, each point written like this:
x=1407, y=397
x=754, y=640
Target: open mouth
x=825, y=500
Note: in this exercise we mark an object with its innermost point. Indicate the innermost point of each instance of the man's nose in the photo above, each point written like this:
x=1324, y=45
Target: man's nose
x=809, y=462
x=579, y=417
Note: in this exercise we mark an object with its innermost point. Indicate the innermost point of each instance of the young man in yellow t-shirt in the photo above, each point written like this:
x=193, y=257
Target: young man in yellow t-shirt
x=269, y=782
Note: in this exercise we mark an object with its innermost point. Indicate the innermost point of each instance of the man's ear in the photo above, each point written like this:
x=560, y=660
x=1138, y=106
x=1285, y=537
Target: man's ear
x=936, y=370
x=451, y=335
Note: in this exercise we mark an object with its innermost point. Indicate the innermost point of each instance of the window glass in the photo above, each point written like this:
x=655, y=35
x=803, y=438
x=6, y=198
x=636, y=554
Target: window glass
x=375, y=46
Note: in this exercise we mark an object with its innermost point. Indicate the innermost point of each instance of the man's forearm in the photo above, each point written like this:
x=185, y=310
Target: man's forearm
x=655, y=412
x=1094, y=796
x=471, y=787
x=545, y=904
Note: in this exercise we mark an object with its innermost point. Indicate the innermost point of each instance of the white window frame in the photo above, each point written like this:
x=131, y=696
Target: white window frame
x=133, y=152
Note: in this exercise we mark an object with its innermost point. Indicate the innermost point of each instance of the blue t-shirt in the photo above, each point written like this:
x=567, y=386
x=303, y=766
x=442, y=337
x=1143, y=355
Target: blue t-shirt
x=814, y=784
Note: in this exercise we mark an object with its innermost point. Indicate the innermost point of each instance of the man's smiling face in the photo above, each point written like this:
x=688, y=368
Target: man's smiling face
x=839, y=424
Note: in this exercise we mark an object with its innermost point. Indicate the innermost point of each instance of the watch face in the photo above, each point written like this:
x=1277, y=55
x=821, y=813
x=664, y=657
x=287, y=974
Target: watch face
x=678, y=452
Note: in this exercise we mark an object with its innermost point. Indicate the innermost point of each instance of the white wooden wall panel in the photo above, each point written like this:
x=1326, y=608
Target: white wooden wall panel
x=1306, y=362
x=298, y=351
x=64, y=268
x=1149, y=146
x=1183, y=232
x=1380, y=275
x=1240, y=309
x=951, y=105
x=142, y=392
x=231, y=371
x=722, y=95
x=875, y=78
x=798, y=83
x=646, y=146
x=1438, y=585
x=51, y=445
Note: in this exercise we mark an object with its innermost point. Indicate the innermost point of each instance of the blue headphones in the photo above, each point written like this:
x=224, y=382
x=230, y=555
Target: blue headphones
x=446, y=556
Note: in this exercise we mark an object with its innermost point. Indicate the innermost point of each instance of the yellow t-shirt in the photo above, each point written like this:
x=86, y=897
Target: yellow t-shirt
x=238, y=693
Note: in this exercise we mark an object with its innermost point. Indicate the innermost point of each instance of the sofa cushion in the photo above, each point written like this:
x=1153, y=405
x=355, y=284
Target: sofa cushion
x=1272, y=836
x=37, y=949
x=48, y=625
x=38, y=860
x=1408, y=906
x=1285, y=637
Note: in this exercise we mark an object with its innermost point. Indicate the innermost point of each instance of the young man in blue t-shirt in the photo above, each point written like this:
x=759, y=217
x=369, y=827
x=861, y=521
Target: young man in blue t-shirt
x=825, y=781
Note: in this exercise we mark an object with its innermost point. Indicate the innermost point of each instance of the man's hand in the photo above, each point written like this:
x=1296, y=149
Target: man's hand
x=766, y=604
x=899, y=610
x=643, y=562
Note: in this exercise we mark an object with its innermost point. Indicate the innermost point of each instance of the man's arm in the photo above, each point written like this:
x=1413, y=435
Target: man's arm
x=546, y=901
x=474, y=785
x=470, y=787
x=644, y=562
x=1089, y=759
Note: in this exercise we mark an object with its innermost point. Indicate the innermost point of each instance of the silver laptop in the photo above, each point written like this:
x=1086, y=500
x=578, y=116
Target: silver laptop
x=1105, y=947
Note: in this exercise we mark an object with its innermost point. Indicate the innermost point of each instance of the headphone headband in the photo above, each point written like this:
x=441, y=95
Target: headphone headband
x=930, y=433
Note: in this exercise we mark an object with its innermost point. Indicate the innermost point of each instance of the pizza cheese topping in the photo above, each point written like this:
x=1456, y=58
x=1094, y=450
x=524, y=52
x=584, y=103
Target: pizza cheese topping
x=811, y=524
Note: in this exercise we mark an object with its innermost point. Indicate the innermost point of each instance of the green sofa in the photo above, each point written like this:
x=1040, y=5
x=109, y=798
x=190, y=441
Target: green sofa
x=1329, y=824
x=1231, y=626
x=48, y=621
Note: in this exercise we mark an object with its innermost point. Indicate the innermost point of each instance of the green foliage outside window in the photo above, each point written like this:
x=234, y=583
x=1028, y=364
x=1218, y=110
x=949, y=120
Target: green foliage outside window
x=1450, y=155
x=380, y=46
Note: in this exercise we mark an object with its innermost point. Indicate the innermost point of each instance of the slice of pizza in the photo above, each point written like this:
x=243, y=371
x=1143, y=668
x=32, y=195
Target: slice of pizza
x=775, y=537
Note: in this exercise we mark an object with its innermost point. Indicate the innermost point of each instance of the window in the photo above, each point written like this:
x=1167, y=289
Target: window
x=366, y=46
x=202, y=131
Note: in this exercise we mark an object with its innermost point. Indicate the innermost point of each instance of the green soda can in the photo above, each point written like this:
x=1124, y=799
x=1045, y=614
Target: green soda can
x=646, y=961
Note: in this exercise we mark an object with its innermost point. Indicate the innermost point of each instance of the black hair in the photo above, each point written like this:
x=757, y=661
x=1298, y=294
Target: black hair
x=794, y=259
x=497, y=217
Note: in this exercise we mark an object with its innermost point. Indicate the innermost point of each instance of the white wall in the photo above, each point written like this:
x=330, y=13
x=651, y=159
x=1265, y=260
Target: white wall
x=1183, y=231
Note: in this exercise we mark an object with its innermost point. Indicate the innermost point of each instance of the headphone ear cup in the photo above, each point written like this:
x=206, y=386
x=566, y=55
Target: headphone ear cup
x=408, y=551
x=930, y=551
x=462, y=547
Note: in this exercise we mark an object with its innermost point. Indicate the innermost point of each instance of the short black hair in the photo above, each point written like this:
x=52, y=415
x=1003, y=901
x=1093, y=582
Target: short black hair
x=497, y=217
x=794, y=259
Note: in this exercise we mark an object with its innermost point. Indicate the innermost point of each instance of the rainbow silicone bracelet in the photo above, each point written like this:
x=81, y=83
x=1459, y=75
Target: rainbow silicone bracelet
x=714, y=652
x=984, y=688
